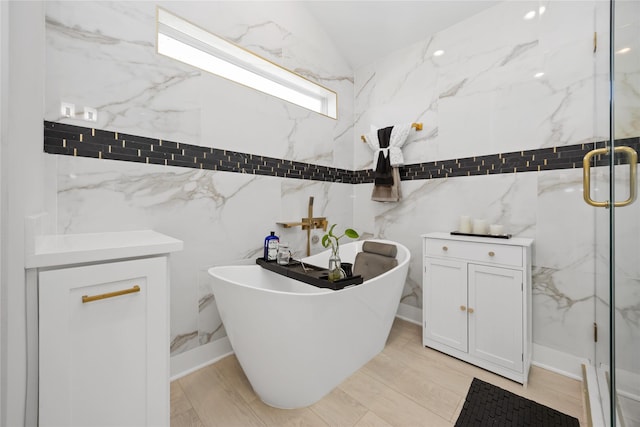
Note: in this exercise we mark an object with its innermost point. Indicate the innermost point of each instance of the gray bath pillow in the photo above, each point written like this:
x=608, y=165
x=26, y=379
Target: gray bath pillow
x=380, y=248
x=376, y=258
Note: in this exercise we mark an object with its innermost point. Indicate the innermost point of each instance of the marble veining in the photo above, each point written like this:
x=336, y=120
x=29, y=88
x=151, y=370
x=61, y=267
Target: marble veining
x=85, y=35
x=312, y=75
x=157, y=190
x=205, y=301
x=453, y=90
x=207, y=337
x=517, y=51
x=543, y=284
x=179, y=341
x=631, y=313
x=282, y=32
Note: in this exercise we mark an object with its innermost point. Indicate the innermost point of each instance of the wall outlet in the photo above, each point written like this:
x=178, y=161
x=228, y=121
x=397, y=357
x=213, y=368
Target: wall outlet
x=90, y=114
x=67, y=109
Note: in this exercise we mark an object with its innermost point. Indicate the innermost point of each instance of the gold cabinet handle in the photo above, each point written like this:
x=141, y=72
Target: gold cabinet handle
x=491, y=253
x=463, y=308
x=470, y=310
x=86, y=298
x=444, y=248
x=586, y=176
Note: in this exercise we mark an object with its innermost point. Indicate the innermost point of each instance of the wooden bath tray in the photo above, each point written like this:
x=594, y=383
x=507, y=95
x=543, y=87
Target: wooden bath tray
x=313, y=275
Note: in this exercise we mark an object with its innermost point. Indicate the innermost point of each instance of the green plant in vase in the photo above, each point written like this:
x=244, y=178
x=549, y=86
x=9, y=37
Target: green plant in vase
x=333, y=241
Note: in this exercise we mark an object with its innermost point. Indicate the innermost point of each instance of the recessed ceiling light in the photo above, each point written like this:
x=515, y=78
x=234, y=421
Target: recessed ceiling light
x=530, y=15
x=438, y=52
x=624, y=50
x=538, y=74
x=541, y=10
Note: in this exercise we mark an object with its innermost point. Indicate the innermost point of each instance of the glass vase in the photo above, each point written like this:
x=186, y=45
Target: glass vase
x=335, y=270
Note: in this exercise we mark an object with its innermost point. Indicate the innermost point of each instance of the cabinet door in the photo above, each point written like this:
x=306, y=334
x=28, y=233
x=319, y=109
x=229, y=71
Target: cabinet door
x=445, y=301
x=104, y=362
x=495, y=315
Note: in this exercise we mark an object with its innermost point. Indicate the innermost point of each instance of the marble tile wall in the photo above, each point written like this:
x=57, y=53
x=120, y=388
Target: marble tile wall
x=481, y=98
x=102, y=55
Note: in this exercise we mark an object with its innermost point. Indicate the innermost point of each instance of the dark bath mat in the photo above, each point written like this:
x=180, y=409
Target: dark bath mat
x=489, y=405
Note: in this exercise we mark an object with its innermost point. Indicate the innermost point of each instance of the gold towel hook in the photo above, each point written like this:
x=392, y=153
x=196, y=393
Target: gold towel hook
x=417, y=126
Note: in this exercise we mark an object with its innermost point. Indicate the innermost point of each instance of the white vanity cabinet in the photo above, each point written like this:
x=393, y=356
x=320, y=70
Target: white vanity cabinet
x=477, y=301
x=103, y=336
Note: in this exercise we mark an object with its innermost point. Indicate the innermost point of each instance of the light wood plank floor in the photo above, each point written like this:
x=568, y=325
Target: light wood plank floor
x=405, y=385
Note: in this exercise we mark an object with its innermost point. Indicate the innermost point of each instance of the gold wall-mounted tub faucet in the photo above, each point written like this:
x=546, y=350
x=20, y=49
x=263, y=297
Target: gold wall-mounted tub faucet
x=308, y=224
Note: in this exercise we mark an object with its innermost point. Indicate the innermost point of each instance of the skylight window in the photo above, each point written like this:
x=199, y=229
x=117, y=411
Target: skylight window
x=188, y=43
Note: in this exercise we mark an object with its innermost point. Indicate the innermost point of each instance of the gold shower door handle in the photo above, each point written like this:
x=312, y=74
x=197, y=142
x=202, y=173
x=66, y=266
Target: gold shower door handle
x=586, y=176
x=86, y=298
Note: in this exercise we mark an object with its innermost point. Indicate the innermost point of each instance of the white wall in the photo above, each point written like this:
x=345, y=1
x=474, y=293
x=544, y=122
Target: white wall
x=25, y=171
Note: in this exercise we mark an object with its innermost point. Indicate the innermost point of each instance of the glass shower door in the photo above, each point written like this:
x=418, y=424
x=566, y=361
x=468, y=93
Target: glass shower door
x=617, y=229
x=625, y=221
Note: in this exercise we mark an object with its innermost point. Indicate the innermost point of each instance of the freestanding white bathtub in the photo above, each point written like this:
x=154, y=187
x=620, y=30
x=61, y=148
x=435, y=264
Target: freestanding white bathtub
x=296, y=342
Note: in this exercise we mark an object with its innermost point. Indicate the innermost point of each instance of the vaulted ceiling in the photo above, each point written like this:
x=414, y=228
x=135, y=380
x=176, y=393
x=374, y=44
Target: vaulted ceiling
x=365, y=30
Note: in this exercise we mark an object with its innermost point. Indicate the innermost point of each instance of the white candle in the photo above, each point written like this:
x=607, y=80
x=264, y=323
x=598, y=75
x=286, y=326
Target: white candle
x=496, y=229
x=479, y=226
x=465, y=224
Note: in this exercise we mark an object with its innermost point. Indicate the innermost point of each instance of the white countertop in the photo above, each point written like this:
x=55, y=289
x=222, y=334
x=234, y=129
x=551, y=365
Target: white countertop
x=66, y=249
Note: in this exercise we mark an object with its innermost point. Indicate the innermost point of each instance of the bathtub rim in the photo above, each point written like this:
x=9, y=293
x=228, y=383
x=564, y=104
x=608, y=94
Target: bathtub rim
x=320, y=291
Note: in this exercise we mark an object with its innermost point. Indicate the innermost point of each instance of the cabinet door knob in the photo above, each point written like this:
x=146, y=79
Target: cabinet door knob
x=463, y=308
x=491, y=253
x=444, y=248
x=470, y=310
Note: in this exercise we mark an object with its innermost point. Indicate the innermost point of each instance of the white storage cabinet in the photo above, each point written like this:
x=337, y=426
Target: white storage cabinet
x=477, y=301
x=103, y=329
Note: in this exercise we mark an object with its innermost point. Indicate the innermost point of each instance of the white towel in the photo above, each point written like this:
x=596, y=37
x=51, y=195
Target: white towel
x=399, y=135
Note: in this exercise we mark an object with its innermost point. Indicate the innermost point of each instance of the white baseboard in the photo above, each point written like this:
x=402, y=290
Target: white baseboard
x=557, y=361
x=409, y=313
x=185, y=363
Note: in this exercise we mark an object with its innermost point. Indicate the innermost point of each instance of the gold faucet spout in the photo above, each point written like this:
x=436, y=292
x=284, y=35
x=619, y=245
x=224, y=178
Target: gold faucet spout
x=290, y=224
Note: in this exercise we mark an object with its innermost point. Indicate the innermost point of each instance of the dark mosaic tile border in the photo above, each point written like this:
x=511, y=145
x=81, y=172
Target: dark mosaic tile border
x=80, y=141
x=543, y=159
